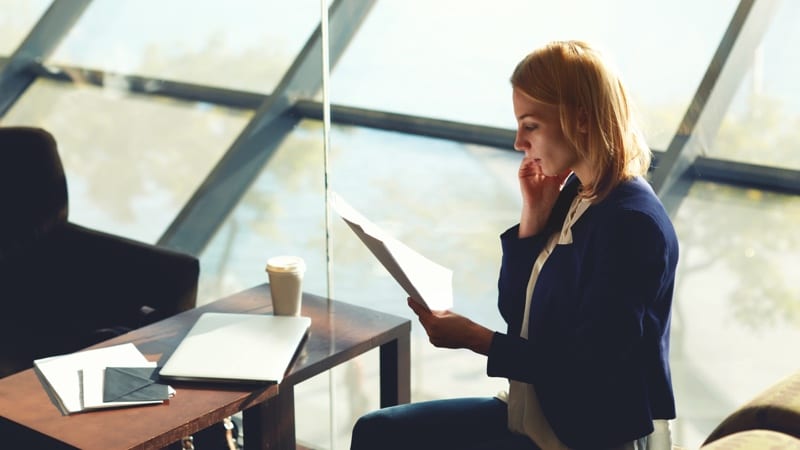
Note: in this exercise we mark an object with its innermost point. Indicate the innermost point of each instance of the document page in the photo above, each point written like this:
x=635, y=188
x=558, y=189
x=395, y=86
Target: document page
x=422, y=279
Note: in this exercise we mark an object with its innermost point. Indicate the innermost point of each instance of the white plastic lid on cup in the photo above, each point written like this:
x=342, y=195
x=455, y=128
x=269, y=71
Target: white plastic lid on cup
x=286, y=263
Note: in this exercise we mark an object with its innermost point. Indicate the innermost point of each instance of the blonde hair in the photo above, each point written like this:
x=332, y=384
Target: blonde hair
x=596, y=117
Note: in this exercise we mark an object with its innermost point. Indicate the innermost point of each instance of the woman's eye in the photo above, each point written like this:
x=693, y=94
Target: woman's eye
x=530, y=127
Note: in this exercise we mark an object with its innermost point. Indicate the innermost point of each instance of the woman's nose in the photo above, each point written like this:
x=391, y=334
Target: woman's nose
x=519, y=144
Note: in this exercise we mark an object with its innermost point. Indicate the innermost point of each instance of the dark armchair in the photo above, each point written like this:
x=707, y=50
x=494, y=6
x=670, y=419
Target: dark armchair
x=63, y=286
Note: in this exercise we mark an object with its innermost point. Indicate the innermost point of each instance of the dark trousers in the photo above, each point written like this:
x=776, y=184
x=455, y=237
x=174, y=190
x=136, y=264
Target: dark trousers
x=462, y=423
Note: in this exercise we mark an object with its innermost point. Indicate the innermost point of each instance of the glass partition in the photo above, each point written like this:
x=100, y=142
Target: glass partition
x=447, y=200
x=281, y=213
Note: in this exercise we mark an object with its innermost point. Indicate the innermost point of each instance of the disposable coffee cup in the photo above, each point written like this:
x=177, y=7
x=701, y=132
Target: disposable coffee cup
x=286, y=284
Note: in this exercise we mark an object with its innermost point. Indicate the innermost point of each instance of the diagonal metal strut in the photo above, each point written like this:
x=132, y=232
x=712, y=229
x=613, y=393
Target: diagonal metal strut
x=219, y=193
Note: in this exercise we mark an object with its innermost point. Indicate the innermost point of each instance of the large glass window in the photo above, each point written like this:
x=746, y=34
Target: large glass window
x=762, y=126
x=134, y=160
x=17, y=19
x=131, y=161
x=736, y=315
x=451, y=59
x=239, y=44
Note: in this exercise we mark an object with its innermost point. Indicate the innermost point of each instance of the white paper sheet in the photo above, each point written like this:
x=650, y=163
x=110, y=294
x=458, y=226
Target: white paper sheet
x=62, y=373
x=421, y=278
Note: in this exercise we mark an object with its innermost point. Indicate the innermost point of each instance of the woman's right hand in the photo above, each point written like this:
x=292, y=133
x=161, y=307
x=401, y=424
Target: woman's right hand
x=447, y=329
x=539, y=194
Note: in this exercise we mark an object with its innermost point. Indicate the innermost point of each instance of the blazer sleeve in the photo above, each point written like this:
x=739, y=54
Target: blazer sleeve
x=515, y=269
x=520, y=254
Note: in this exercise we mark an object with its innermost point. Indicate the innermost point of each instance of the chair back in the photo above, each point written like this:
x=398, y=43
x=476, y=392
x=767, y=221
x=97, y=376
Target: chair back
x=33, y=188
x=64, y=286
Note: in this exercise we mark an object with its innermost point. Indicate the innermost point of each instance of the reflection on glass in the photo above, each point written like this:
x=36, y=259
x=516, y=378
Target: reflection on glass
x=131, y=161
x=243, y=44
x=16, y=21
x=737, y=307
x=762, y=126
x=451, y=59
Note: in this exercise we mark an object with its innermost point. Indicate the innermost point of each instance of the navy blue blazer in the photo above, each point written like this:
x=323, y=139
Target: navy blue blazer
x=598, y=334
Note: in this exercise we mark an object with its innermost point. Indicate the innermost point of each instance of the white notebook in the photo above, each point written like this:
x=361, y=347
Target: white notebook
x=62, y=374
x=237, y=347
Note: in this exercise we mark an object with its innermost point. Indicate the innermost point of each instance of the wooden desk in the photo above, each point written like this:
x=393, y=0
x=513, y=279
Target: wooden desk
x=338, y=333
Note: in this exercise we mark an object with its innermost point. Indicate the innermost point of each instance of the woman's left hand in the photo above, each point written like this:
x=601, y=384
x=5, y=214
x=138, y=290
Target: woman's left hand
x=450, y=330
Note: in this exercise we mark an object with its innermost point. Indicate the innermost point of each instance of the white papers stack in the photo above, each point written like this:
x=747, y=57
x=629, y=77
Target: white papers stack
x=75, y=381
x=422, y=279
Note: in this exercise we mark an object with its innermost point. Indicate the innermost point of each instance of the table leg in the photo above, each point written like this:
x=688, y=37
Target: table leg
x=395, y=367
x=270, y=425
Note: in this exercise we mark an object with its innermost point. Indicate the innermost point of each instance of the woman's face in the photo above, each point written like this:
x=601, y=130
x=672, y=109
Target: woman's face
x=539, y=135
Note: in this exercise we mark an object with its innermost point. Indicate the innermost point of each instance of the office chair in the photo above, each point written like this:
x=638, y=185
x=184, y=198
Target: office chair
x=63, y=286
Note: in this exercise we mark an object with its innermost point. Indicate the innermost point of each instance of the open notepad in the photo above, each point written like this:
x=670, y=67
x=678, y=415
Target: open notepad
x=422, y=279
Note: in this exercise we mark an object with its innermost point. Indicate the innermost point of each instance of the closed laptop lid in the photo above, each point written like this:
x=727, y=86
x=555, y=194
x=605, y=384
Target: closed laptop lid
x=237, y=347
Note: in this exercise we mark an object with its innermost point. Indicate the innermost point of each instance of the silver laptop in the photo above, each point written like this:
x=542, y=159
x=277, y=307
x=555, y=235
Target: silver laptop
x=237, y=347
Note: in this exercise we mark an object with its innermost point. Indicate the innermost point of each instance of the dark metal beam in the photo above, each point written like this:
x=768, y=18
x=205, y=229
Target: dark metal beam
x=700, y=124
x=725, y=171
x=221, y=191
x=402, y=123
x=746, y=175
x=44, y=37
x=153, y=86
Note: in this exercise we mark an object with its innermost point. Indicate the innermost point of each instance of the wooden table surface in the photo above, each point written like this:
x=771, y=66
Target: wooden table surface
x=338, y=333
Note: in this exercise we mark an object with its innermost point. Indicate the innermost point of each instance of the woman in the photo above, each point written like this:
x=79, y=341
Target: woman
x=585, y=285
